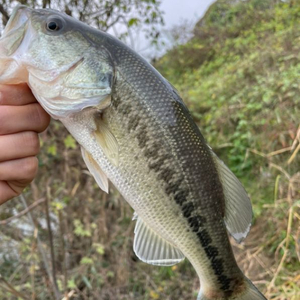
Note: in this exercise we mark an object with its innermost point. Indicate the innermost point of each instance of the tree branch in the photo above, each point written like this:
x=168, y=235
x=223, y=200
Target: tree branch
x=12, y=290
x=50, y=238
x=42, y=252
x=115, y=21
x=23, y=212
x=64, y=266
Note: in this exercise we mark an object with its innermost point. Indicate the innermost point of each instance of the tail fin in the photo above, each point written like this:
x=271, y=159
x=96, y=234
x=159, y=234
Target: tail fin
x=251, y=293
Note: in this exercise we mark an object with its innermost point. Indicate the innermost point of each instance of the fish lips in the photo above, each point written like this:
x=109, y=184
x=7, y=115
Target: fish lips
x=10, y=42
x=14, y=31
x=19, y=16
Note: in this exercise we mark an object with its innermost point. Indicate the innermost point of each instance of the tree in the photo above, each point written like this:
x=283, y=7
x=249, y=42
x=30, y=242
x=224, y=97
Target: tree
x=128, y=15
x=61, y=255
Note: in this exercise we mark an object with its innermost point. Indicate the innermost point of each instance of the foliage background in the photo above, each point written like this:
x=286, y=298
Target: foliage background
x=239, y=76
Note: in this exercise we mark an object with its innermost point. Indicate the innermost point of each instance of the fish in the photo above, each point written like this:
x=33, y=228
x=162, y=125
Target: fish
x=135, y=131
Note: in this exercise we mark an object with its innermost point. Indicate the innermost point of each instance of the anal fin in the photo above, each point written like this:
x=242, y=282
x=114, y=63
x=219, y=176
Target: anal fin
x=153, y=249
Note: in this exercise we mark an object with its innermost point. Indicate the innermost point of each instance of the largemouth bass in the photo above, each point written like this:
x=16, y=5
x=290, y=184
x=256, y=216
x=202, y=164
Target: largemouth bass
x=135, y=131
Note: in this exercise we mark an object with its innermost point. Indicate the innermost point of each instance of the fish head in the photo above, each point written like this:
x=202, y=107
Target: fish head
x=42, y=40
x=53, y=53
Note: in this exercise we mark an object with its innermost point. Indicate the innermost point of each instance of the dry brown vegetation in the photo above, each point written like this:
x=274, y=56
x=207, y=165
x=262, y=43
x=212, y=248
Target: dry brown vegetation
x=66, y=239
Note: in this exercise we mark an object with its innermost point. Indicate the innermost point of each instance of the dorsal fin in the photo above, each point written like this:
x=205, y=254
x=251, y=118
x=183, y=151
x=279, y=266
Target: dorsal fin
x=153, y=249
x=238, y=209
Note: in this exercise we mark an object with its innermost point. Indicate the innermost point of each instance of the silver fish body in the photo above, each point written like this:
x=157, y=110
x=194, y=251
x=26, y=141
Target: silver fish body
x=135, y=130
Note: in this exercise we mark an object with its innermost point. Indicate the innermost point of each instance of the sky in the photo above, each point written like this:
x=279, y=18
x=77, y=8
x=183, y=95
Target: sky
x=176, y=10
x=175, y=13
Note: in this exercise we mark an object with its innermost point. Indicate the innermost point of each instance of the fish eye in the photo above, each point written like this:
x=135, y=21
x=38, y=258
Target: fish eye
x=54, y=24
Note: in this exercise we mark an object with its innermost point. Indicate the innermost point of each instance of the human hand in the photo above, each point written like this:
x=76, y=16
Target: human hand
x=21, y=119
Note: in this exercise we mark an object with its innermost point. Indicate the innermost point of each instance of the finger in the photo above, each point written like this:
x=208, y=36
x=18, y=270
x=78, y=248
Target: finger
x=8, y=191
x=23, y=170
x=29, y=117
x=19, y=94
x=19, y=145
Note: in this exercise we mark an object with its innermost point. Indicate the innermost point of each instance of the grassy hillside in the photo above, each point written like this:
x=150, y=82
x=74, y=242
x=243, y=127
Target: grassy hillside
x=240, y=77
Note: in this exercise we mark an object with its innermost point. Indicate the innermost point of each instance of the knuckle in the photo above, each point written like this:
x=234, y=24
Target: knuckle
x=40, y=117
x=4, y=93
x=32, y=142
x=30, y=166
x=3, y=119
x=17, y=94
x=35, y=114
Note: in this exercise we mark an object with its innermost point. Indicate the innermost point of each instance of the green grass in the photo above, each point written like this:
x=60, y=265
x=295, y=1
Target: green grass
x=239, y=76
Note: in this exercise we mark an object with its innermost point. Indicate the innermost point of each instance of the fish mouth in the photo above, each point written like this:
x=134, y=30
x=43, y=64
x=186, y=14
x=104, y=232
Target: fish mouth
x=11, y=69
x=19, y=16
x=14, y=31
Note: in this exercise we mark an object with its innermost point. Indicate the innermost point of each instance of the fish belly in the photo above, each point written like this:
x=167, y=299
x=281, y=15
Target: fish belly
x=166, y=174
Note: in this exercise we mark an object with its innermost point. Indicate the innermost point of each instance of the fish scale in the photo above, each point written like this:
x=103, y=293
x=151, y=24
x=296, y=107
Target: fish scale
x=135, y=130
x=199, y=165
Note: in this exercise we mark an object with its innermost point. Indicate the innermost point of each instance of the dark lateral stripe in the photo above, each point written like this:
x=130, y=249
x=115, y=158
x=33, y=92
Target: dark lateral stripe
x=142, y=136
x=173, y=187
x=133, y=122
x=166, y=174
x=212, y=254
x=217, y=265
x=204, y=238
x=181, y=197
x=152, y=152
x=196, y=222
x=224, y=281
x=187, y=209
x=157, y=165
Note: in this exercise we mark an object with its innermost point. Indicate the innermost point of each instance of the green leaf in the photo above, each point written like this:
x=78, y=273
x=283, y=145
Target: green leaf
x=57, y=205
x=52, y=150
x=87, y=282
x=110, y=274
x=60, y=284
x=71, y=284
x=86, y=261
x=99, y=248
x=132, y=22
x=69, y=142
x=79, y=230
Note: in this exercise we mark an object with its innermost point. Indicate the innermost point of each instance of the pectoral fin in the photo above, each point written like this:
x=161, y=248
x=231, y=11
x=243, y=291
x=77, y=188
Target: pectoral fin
x=105, y=103
x=153, y=249
x=95, y=170
x=107, y=142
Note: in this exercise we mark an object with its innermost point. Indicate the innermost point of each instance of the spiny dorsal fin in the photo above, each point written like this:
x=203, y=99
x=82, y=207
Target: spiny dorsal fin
x=153, y=249
x=95, y=170
x=238, y=209
x=107, y=142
